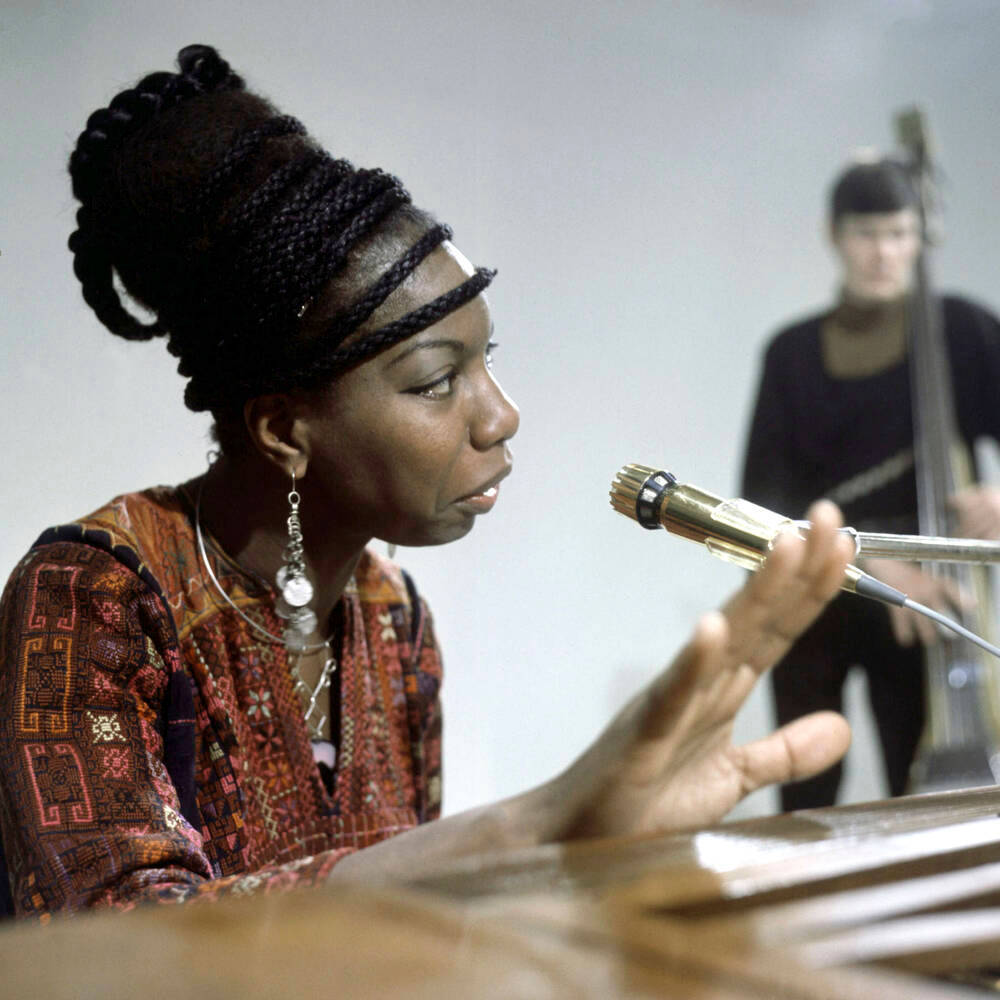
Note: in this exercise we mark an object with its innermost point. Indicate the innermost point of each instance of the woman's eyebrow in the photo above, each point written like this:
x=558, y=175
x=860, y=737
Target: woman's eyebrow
x=457, y=345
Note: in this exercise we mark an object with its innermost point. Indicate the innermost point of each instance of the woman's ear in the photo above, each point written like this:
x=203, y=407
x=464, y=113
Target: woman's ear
x=277, y=430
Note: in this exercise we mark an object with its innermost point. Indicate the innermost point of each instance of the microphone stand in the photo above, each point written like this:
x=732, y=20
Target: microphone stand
x=924, y=548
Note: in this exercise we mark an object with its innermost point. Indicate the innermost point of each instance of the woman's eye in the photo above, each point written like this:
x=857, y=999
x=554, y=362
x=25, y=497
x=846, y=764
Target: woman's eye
x=490, y=348
x=437, y=389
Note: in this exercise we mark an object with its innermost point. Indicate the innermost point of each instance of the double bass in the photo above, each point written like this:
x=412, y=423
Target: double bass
x=960, y=744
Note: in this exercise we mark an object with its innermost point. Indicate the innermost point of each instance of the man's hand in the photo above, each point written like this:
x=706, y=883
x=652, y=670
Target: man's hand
x=977, y=510
x=940, y=593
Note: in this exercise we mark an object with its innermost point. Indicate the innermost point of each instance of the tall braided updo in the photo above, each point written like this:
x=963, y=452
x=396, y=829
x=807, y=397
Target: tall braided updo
x=263, y=259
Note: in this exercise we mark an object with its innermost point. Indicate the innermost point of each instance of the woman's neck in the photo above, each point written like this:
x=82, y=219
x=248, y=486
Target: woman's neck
x=244, y=506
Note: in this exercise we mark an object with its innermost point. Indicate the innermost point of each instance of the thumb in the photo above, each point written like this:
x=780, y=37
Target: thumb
x=797, y=750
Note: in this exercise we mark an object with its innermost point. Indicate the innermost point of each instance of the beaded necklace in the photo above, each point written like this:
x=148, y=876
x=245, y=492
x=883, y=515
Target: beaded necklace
x=309, y=696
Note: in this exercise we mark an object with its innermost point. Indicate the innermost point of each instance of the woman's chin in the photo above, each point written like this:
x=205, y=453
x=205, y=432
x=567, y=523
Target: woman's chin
x=440, y=534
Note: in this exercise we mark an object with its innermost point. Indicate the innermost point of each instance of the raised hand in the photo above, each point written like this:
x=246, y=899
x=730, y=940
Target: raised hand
x=667, y=761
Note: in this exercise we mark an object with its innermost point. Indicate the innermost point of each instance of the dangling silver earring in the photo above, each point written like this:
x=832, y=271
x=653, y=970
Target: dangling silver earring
x=296, y=590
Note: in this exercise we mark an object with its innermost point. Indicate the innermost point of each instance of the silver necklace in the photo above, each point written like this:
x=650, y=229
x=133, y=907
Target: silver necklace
x=309, y=697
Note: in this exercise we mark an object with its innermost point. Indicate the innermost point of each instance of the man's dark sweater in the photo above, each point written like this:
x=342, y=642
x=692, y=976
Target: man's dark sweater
x=851, y=439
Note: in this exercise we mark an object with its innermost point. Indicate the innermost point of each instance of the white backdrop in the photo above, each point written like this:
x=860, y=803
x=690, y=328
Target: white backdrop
x=648, y=178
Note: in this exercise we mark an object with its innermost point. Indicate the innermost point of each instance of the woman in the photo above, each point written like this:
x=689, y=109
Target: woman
x=218, y=688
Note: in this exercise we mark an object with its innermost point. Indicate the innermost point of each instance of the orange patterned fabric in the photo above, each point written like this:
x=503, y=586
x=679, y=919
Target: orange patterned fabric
x=151, y=744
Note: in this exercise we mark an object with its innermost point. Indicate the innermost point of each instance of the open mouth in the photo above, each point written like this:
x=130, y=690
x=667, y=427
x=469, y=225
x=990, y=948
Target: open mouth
x=485, y=496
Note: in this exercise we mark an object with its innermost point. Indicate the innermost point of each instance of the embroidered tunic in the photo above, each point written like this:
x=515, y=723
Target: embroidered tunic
x=151, y=744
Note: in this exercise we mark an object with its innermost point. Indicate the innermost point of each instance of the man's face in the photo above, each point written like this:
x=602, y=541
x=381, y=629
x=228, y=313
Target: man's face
x=877, y=251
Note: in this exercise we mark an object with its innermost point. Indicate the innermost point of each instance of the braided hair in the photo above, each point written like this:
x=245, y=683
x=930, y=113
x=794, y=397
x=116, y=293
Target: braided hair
x=262, y=259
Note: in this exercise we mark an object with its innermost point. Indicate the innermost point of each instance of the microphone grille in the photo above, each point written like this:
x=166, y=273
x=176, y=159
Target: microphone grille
x=637, y=491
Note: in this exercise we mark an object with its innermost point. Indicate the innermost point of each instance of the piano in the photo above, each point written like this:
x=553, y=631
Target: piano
x=892, y=900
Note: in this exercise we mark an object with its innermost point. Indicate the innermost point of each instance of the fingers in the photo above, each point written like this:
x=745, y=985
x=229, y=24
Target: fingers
x=978, y=510
x=922, y=628
x=703, y=659
x=903, y=625
x=798, y=578
x=798, y=750
x=940, y=593
x=954, y=597
x=833, y=549
x=711, y=634
x=810, y=569
x=979, y=524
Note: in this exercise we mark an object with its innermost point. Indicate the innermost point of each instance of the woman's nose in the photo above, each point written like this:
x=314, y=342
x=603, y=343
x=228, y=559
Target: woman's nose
x=497, y=417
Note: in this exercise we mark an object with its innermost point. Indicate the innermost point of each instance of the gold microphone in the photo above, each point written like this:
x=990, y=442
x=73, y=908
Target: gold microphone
x=741, y=532
x=737, y=531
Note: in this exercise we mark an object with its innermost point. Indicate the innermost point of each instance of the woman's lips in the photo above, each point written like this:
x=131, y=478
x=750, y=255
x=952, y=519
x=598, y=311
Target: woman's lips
x=482, y=499
x=480, y=503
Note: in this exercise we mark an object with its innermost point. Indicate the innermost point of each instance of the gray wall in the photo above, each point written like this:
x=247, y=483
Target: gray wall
x=647, y=177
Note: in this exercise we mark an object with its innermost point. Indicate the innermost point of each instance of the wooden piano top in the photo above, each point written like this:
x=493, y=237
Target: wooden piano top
x=895, y=899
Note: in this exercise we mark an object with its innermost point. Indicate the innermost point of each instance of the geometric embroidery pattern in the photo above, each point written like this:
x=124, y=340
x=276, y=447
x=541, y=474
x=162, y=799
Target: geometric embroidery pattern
x=105, y=727
x=46, y=668
x=95, y=623
x=45, y=684
x=59, y=785
x=115, y=763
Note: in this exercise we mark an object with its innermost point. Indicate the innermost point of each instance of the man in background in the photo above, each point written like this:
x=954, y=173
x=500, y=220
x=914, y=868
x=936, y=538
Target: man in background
x=833, y=418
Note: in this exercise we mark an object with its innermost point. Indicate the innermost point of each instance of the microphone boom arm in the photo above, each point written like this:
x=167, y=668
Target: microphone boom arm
x=925, y=548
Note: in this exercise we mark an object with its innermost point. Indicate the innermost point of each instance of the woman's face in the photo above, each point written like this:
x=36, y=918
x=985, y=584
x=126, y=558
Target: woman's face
x=411, y=446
